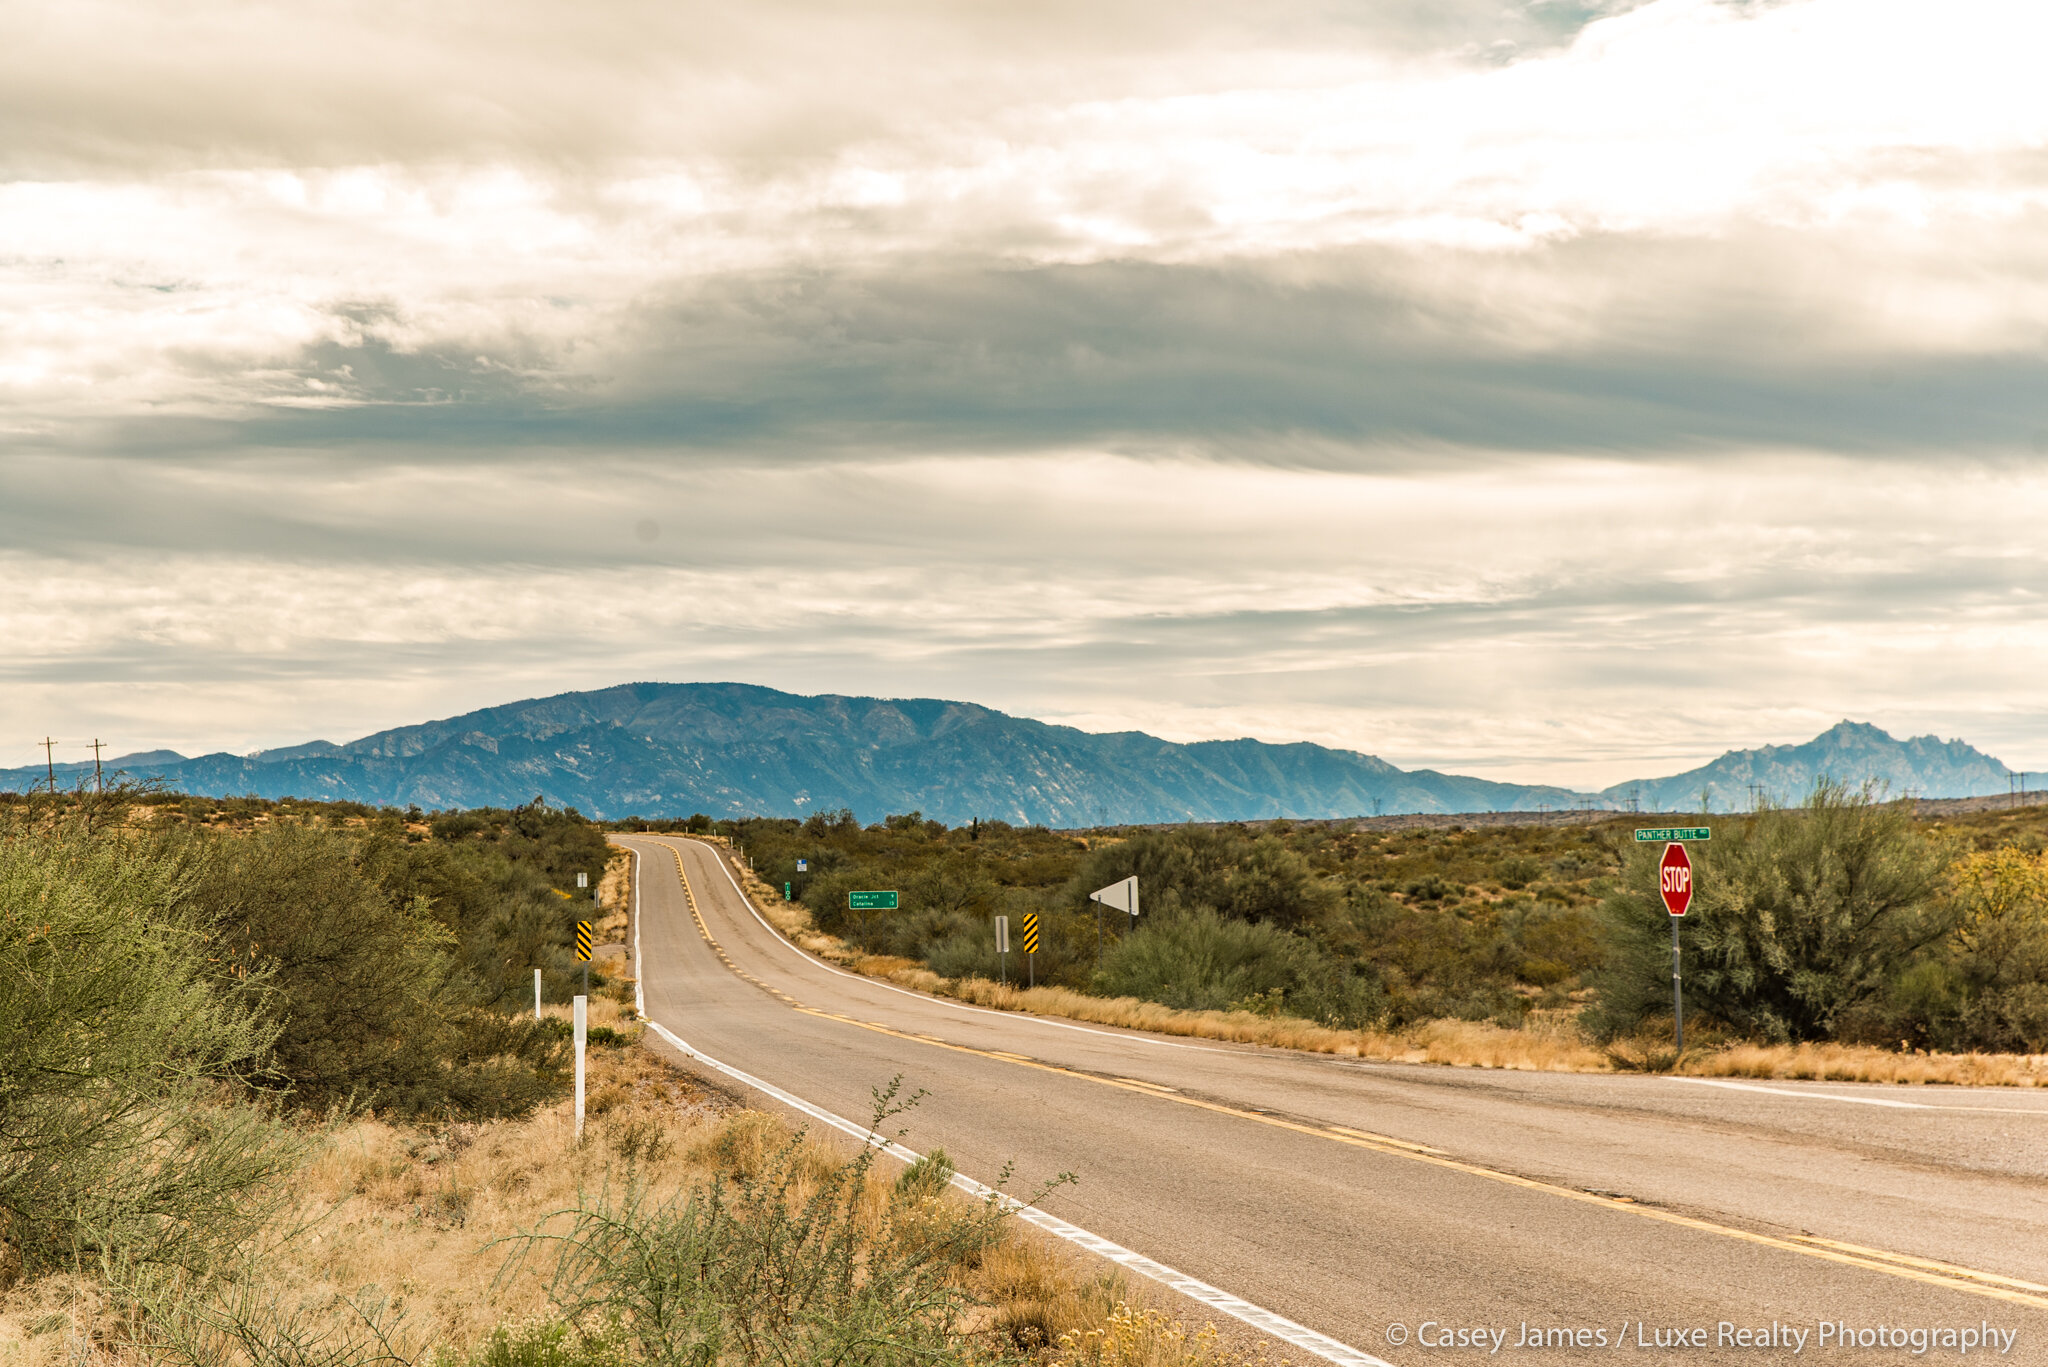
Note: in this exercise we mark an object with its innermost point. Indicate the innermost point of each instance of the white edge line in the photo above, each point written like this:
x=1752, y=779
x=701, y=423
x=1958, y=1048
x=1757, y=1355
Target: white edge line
x=1866, y=1100
x=816, y=962
x=1260, y=1318
x=1807, y=1096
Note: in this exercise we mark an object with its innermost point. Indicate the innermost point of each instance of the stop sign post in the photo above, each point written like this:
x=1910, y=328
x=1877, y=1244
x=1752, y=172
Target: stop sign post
x=1674, y=885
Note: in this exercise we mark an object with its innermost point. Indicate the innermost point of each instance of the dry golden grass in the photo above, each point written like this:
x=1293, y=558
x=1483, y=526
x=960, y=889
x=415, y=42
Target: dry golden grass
x=418, y=1213
x=1550, y=1042
x=1862, y=1063
x=1133, y=1337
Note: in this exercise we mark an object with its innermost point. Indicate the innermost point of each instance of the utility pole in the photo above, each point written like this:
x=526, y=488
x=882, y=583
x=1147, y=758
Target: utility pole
x=50, y=763
x=99, y=783
x=1756, y=797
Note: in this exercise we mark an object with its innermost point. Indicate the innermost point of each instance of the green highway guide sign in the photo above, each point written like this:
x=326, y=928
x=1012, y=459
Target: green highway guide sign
x=1660, y=833
x=871, y=901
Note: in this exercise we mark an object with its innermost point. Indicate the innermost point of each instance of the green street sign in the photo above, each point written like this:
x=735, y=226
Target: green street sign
x=1674, y=833
x=871, y=901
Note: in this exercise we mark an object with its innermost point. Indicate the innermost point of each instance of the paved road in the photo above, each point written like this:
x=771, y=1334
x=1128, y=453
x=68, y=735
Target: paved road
x=1354, y=1197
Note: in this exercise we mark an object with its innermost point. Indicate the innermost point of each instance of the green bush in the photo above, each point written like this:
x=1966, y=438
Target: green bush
x=118, y=1060
x=1246, y=879
x=372, y=1004
x=1200, y=960
x=1799, y=920
x=1986, y=985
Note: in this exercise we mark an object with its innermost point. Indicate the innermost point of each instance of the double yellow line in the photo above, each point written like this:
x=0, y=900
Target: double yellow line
x=1926, y=1270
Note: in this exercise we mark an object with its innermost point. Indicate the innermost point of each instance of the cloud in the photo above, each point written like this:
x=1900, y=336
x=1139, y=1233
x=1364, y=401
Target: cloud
x=482, y=211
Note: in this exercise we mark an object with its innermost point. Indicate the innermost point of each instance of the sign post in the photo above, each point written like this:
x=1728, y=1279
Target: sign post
x=1003, y=949
x=1031, y=946
x=583, y=952
x=536, y=994
x=1675, y=886
x=581, y=1011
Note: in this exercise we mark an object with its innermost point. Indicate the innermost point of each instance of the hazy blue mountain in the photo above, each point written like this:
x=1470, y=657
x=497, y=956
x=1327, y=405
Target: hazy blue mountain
x=732, y=749
x=1848, y=752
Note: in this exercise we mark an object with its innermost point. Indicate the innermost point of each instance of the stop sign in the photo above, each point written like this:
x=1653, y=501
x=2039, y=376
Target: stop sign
x=1674, y=879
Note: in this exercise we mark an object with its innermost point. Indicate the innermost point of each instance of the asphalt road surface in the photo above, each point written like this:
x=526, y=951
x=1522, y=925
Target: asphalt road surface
x=1407, y=1212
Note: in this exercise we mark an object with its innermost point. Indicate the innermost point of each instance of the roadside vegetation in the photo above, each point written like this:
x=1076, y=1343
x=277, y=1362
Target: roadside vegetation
x=272, y=1092
x=1842, y=938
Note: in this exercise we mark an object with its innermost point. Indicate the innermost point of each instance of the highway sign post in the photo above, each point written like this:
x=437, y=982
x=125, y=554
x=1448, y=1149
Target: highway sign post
x=580, y=1013
x=1031, y=945
x=1003, y=950
x=583, y=952
x=1675, y=885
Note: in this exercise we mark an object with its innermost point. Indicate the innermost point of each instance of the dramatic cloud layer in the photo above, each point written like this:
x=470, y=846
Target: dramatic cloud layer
x=1546, y=389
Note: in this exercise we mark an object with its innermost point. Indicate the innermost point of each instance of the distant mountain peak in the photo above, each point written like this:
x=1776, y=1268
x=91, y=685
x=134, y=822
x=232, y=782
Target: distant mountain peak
x=1849, y=752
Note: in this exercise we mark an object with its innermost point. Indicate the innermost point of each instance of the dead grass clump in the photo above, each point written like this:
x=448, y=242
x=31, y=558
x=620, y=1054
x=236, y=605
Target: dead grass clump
x=1864, y=1063
x=1147, y=1338
x=1034, y=1293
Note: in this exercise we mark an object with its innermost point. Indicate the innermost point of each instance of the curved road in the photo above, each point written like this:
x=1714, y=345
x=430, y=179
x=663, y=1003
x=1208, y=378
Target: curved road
x=1413, y=1211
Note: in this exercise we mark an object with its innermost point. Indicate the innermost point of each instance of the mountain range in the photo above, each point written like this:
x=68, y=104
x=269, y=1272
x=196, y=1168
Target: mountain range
x=654, y=749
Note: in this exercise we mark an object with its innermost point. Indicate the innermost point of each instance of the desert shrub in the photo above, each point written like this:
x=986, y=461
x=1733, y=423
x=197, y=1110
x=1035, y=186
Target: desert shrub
x=239, y=1318
x=1799, y=919
x=1518, y=871
x=1551, y=943
x=1462, y=962
x=778, y=1263
x=1246, y=879
x=1986, y=985
x=372, y=1007
x=1201, y=960
x=496, y=894
x=118, y=1060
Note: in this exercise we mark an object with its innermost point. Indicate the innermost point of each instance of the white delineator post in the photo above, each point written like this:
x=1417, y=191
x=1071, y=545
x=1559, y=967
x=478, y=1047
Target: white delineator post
x=582, y=1020
x=536, y=994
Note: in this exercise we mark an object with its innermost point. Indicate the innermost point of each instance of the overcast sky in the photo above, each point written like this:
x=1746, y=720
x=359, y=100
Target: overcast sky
x=1541, y=390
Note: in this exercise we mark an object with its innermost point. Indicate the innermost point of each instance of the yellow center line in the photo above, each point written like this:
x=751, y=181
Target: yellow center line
x=1987, y=1284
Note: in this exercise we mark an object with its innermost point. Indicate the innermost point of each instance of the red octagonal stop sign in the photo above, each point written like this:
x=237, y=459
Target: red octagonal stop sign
x=1674, y=879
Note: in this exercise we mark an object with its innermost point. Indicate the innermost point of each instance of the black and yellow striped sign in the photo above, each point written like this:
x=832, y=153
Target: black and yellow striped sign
x=583, y=940
x=1030, y=932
